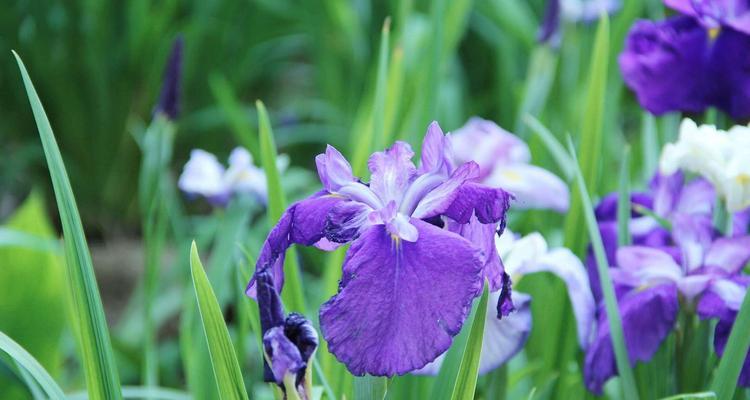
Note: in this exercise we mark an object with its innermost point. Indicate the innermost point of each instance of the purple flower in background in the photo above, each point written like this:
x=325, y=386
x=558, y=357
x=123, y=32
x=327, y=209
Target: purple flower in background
x=410, y=273
x=692, y=61
x=289, y=342
x=691, y=265
x=204, y=176
x=574, y=11
x=503, y=161
x=504, y=338
x=169, y=99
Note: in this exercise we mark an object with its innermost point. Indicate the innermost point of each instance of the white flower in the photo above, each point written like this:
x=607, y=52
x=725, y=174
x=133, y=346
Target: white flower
x=722, y=157
x=204, y=176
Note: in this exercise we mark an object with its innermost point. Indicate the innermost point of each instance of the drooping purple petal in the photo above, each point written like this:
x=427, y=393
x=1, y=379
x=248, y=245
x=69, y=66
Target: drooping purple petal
x=505, y=304
x=392, y=172
x=489, y=205
x=300, y=332
x=304, y=222
x=346, y=220
x=400, y=303
x=334, y=170
x=648, y=316
x=660, y=63
x=483, y=237
x=503, y=338
x=271, y=312
x=532, y=186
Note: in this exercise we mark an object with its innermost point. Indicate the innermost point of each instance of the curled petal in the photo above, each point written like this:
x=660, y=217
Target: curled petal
x=392, y=172
x=284, y=356
x=439, y=199
x=302, y=223
x=435, y=151
x=483, y=236
x=505, y=304
x=490, y=205
x=400, y=303
x=346, y=220
x=532, y=186
x=648, y=316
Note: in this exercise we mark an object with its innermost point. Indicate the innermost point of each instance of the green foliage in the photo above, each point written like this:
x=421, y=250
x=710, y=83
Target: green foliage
x=30, y=365
x=466, y=380
x=223, y=359
x=30, y=280
x=88, y=314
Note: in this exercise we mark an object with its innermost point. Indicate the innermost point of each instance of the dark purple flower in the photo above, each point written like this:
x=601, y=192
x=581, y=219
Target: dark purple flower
x=410, y=272
x=169, y=99
x=289, y=341
x=662, y=62
x=549, y=30
x=734, y=14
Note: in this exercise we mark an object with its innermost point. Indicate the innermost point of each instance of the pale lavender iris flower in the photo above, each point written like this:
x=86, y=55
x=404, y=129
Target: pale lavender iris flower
x=418, y=253
x=504, y=338
x=204, y=176
x=504, y=161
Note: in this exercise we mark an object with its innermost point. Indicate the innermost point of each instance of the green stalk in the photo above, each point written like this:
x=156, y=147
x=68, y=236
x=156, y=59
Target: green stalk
x=725, y=380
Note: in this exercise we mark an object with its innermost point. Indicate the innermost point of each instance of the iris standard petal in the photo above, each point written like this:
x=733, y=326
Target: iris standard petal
x=660, y=63
x=435, y=151
x=304, y=223
x=334, y=170
x=392, y=172
x=439, y=199
x=648, y=316
x=503, y=338
x=693, y=235
x=732, y=13
x=399, y=303
x=532, y=186
x=202, y=175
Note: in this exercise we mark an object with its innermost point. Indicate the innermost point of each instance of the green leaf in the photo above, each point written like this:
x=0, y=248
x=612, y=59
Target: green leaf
x=554, y=147
x=605, y=280
x=693, y=396
x=236, y=116
x=370, y=387
x=293, y=296
x=14, y=238
x=143, y=392
x=591, y=133
x=32, y=366
x=466, y=380
x=730, y=365
x=623, y=201
x=223, y=359
x=91, y=328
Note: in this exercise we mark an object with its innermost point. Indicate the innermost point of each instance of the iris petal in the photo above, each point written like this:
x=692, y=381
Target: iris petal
x=400, y=303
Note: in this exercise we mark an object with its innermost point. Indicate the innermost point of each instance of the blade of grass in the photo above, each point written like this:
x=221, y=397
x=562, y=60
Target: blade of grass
x=692, y=396
x=91, y=328
x=649, y=145
x=370, y=387
x=555, y=148
x=730, y=365
x=234, y=113
x=293, y=296
x=591, y=132
x=623, y=201
x=466, y=381
x=605, y=280
x=32, y=366
x=142, y=392
x=373, y=136
x=223, y=359
x=11, y=237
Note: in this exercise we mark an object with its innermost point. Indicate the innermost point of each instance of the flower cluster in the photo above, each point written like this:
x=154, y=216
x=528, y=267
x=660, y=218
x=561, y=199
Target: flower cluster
x=678, y=262
x=691, y=61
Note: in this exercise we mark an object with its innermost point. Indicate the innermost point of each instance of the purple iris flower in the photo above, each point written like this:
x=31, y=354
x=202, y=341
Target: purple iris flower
x=419, y=252
x=687, y=266
x=505, y=162
x=692, y=61
x=289, y=341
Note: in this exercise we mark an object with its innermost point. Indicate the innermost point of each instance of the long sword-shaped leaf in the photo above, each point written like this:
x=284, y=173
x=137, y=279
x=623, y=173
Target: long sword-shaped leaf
x=591, y=132
x=623, y=202
x=223, y=359
x=293, y=296
x=31, y=365
x=605, y=280
x=725, y=380
x=370, y=387
x=466, y=381
x=94, y=344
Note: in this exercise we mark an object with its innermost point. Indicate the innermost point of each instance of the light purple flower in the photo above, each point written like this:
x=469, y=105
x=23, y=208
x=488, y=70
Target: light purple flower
x=204, y=176
x=504, y=162
x=407, y=275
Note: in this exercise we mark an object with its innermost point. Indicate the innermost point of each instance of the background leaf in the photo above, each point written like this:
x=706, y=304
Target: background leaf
x=466, y=380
